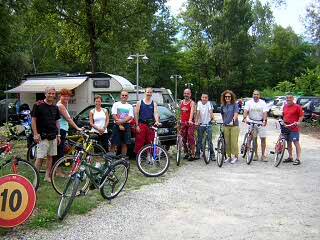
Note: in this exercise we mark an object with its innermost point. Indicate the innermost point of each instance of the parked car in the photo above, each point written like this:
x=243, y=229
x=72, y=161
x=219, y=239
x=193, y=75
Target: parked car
x=216, y=107
x=167, y=132
x=277, y=109
x=310, y=105
x=10, y=104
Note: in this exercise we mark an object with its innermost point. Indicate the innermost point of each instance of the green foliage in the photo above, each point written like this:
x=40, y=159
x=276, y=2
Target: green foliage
x=309, y=83
x=285, y=86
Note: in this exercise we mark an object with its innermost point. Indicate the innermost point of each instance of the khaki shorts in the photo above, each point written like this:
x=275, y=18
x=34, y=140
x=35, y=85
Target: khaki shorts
x=47, y=148
x=262, y=131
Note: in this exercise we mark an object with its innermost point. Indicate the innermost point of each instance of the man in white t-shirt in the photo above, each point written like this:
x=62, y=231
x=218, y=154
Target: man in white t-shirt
x=204, y=120
x=122, y=113
x=256, y=109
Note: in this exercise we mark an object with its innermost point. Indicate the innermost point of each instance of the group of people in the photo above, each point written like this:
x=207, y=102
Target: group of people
x=50, y=124
x=200, y=116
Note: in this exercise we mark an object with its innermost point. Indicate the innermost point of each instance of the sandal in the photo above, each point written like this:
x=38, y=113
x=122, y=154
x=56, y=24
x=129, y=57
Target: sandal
x=287, y=160
x=296, y=162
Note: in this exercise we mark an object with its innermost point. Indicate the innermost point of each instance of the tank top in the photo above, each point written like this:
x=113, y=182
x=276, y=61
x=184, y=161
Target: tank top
x=99, y=119
x=62, y=121
x=146, y=112
x=185, y=111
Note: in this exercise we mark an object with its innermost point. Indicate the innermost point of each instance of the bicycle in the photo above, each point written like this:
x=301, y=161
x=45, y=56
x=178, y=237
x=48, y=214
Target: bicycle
x=110, y=178
x=280, y=145
x=249, y=144
x=152, y=159
x=180, y=145
x=206, y=154
x=221, y=146
x=15, y=165
x=93, y=152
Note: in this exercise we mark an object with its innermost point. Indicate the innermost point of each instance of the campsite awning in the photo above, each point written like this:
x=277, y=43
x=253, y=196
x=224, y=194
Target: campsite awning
x=39, y=85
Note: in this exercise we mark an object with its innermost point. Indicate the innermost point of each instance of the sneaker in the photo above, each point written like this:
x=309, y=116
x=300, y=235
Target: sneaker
x=187, y=156
x=296, y=162
x=264, y=159
x=255, y=157
x=287, y=160
x=234, y=160
x=227, y=160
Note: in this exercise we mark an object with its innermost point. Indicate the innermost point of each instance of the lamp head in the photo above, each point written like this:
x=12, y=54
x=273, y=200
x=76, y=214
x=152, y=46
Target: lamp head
x=145, y=59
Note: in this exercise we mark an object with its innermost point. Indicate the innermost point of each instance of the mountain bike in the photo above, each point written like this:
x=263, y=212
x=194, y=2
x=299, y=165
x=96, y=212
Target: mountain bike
x=249, y=144
x=93, y=152
x=109, y=177
x=153, y=159
x=207, y=155
x=281, y=144
x=10, y=164
x=221, y=146
x=179, y=144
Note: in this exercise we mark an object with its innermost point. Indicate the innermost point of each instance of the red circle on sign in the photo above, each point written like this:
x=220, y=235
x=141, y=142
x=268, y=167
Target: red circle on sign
x=31, y=200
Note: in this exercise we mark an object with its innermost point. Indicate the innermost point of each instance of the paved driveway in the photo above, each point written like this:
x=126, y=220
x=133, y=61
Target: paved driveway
x=206, y=202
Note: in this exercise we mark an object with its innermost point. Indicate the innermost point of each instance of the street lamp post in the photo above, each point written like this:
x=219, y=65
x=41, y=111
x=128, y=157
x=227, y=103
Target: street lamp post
x=176, y=77
x=188, y=85
x=145, y=60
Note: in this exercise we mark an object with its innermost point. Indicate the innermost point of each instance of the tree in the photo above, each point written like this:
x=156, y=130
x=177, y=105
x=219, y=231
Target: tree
x=312, y=21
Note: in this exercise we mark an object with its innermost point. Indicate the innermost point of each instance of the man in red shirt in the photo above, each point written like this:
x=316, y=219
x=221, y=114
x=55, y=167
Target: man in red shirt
x=293, y=113
x=187, y=108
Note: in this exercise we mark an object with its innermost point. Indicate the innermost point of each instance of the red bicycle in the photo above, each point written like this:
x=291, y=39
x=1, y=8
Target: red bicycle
x=10, y=164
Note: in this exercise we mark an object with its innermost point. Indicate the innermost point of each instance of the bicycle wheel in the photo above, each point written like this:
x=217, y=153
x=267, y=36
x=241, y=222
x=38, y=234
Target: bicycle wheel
x=243, y=146
x=250, y=148
x=96, y=153
x=68, y=196
x=279, y=152
x=23, y=168
x=153, y=160
x=61, y=173
x=179, y=149
x=220, y=152
x=115, y=180
x=206, y=152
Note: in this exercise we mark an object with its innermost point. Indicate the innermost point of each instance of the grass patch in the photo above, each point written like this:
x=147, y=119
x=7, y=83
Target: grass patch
x=45, y=214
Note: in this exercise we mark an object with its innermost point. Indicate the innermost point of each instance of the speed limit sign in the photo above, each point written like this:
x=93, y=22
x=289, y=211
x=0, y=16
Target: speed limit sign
x=17, y=200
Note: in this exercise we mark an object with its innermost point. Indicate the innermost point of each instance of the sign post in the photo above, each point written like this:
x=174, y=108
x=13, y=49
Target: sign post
x=17, y=200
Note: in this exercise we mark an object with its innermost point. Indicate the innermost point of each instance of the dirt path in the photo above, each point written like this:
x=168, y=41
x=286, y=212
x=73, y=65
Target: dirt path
x=206, y=202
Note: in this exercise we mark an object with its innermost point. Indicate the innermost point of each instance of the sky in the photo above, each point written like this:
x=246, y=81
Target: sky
x=290, y=15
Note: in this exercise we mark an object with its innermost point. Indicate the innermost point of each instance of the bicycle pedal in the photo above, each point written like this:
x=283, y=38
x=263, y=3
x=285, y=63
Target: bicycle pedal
x=272, y=152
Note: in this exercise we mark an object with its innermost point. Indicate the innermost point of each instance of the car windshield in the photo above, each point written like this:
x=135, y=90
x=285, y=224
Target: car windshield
x=156, y=96
x=165, y=113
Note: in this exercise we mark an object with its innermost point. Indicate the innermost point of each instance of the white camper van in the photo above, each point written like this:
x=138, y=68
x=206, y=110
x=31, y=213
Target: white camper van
x=83, y=86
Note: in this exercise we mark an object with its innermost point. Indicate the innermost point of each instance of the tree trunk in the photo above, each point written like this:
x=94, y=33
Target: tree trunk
x=91, y=28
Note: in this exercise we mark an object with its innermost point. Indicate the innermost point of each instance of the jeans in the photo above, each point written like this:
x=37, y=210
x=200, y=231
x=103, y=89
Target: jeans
x=201, y=131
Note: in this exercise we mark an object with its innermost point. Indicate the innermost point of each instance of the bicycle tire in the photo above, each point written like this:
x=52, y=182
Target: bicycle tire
x=59, y=176
x=243, y=146
x=220, y=152
x=179, y=149
x=250, y=148
x=23, y=168
x=205, y=152
x=144, y=161
x=66, y=198
x=117, y=173
x=279, y=152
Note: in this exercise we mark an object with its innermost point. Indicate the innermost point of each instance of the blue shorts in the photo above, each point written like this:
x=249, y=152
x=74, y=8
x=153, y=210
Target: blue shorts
x=120, y=137
x=293, y=137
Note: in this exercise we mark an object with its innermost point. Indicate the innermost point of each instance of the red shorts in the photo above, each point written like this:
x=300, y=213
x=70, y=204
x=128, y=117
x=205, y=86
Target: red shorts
x=144, y=137
x=187, y=132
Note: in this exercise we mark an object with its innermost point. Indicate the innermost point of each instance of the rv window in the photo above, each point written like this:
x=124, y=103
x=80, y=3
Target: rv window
x=105, y=83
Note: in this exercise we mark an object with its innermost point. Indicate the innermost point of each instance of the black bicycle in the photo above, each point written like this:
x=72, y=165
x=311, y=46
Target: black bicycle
x=110, y=178
x=221, y=146
x=249, y=144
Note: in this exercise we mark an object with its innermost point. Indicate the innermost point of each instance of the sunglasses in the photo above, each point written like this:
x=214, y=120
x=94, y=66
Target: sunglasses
x=227, y=96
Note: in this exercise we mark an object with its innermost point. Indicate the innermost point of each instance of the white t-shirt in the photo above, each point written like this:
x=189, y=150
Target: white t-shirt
x=256, y=109
x=204, y=109
x=99, y=119
x=122, y=110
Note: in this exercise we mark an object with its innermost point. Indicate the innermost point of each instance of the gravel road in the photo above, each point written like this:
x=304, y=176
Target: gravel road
x=206, y=202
